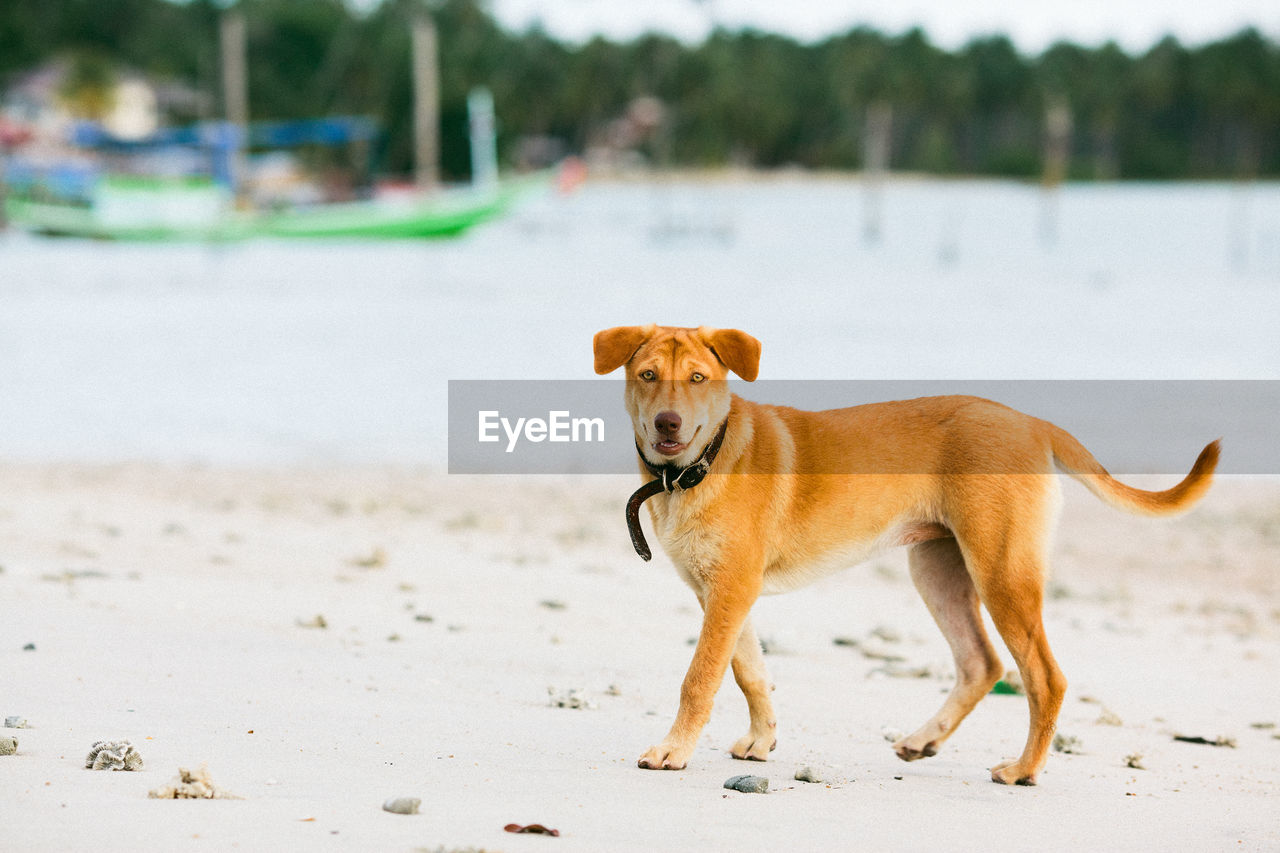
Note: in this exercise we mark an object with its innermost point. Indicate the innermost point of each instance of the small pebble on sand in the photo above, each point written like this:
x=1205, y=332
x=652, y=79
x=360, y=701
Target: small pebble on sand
x=1070, y=744
x=8, y=745
x=15, y=722
x=374, y=560
x=887, y=634
x=576, y=698
x=402, y=805
x=748, y=784
x=809, y=773
x=1109, y=718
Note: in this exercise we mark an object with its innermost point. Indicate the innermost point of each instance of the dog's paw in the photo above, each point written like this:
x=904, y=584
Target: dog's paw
x=1013, y=773
x=665, y=756
x=911, y=749
x=754, y=747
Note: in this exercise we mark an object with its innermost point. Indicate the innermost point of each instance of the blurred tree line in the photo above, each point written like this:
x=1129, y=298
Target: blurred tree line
x=745, y=97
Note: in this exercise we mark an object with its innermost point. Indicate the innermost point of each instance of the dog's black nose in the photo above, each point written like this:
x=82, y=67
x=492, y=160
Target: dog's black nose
x=667, y=423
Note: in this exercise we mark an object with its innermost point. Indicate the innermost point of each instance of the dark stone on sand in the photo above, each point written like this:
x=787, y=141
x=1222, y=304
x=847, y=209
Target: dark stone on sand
x=748, y=784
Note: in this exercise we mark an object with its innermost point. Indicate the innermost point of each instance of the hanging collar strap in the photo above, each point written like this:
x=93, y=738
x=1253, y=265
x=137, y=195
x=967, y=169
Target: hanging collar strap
x=668, y=478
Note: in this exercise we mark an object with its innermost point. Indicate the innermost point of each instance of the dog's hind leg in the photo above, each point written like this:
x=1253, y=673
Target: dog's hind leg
x=1023, y=632
x=939, y=573
x=749, y=672
x=1009, y=567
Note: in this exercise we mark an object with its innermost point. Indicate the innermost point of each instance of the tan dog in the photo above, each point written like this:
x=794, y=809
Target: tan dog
x=965, y=482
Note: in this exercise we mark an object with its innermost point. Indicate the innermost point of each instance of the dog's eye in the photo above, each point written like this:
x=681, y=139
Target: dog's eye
x=648, y=376
x=697, y=377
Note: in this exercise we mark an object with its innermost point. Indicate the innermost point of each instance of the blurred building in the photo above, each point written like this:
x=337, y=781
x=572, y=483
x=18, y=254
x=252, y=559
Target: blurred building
x=48, y=101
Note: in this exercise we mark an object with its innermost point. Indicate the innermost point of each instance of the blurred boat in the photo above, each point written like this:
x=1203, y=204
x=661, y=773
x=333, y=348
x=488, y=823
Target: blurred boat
x=193, y=209
x=118, y=208
x=76, y=199
x=444, y=214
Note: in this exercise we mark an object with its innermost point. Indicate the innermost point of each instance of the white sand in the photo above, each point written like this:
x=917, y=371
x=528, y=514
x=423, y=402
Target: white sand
x=165, y=603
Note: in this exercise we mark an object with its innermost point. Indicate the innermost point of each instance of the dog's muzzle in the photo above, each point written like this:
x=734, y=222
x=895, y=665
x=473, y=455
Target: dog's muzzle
x=668, y=478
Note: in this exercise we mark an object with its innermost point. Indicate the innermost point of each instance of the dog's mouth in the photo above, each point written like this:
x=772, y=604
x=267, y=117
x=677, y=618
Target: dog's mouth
x=670, y=447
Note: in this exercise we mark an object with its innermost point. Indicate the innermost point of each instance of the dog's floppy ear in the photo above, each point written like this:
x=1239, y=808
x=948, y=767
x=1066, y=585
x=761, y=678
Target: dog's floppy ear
x=614, y=347
x=736, y=350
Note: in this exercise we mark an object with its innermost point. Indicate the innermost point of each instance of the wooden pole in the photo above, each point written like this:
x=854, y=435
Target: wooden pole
x=1057, y=141
x=426, y=102
x=875, y=164
x=484, y=145
x=4, y=190
x=1057, y=155
x=235, y=87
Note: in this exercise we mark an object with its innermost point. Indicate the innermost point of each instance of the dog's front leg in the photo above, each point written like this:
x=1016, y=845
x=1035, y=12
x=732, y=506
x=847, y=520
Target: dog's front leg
x=726, y=603
x=753, y=679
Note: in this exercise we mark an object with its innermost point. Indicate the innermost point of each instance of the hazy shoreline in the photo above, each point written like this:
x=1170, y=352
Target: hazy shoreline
x=803, y=175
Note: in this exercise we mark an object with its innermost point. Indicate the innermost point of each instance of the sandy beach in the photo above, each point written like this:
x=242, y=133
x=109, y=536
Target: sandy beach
x=324, y=640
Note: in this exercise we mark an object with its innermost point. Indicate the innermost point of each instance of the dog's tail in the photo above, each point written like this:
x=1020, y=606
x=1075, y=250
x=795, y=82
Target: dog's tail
x=1076, y=460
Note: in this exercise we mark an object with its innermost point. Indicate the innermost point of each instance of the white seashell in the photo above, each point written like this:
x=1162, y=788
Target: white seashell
x=113, y=755
x=191, y=785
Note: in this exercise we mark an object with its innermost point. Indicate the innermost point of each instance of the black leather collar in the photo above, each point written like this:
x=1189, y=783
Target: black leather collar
x=668, y=479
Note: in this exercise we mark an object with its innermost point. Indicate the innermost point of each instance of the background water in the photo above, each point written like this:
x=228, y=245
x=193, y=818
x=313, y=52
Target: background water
x=314, y=352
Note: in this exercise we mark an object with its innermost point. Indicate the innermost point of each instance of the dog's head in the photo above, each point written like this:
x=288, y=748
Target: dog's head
x=676, y=395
